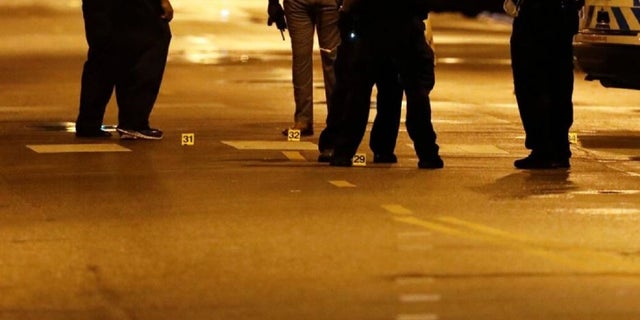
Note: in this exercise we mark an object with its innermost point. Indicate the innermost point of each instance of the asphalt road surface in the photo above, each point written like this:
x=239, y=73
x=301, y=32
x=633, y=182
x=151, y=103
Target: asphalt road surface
x=243, y=224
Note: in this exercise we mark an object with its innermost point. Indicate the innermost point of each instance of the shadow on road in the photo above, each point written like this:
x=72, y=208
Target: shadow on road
x=530, y=183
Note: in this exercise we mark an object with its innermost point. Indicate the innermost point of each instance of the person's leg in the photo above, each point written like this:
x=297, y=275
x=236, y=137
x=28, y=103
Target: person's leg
x=138, y=90
x=414, y=59
x=526, y=66
x=301, y=30
x=354, y=122
x=355, y=117
x=384, y=131
x=100, y=68
x=536, y=76
x=562, y=93
x=326, y=20
x=337, y=101
x=144, y=38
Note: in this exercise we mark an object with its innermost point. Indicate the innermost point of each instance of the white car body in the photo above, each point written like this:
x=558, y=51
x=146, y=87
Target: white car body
x=607, y=45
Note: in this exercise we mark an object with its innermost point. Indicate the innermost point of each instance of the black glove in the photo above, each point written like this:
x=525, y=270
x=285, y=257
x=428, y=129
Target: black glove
x=276, y=14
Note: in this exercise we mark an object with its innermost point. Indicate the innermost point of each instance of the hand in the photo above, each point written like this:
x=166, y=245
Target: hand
x=276, y=14
x=167, y=10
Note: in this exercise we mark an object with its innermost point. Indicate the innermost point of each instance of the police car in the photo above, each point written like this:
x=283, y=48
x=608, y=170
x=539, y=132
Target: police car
x=607, y=45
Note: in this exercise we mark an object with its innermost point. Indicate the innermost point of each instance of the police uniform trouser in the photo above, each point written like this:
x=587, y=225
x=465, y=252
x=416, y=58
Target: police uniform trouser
x=412, y=58
x=128, y=46
x=303, y=18
x=384, y=131
x=386, y=124
x=542, y=63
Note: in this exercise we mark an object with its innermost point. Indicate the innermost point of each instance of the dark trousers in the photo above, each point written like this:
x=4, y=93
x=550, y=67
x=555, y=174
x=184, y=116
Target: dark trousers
x=384, y=132
x=386, y=124
x=410, y=56
x=542, y=63
x=128, y=47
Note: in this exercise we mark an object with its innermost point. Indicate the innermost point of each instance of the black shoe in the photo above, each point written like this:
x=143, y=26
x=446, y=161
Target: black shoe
x=385, y=158
x=340, y=162
x=145, y=134
x=533, y=162
x=98, y=133
x=431, y=163
x=325, y=155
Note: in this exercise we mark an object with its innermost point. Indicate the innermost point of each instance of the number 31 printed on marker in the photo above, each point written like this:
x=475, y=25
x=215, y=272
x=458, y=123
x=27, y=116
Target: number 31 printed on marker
x=188, y=139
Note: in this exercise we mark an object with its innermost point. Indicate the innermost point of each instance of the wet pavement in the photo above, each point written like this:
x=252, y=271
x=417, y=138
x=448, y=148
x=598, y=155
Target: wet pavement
x=244, y=224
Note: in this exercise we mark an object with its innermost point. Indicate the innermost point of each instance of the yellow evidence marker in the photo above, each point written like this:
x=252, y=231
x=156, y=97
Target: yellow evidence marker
x=359, y=160
x=188, y=139
x=573, y=138
x=293, y=135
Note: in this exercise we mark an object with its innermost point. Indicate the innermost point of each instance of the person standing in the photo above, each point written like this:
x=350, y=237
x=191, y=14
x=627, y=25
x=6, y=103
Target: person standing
x=393, y=31
x=542, y=65
x=128, y=46
x=303, y=18
x=384, y=131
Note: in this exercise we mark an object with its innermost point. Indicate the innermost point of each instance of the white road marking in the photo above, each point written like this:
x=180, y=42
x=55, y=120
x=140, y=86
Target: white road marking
x=271, y=145
x=422, y=316
x=397, y=209
x=473, y=61
x=415, y=248
x=76, y=148
x=601, y=211
x=294, y=156
x=420, y=234
x=419, y=281
x=342, y=184
x=606, y=192
x=417, y=298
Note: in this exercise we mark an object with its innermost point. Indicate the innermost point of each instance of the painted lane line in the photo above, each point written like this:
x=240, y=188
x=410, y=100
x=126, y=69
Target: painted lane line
x=294, y=155
x=576, y=259
x=487, y=230
x=397, y=209
x=419, y=298
x=415, y=248
x=436, y=227
x=271, y=145
x=533, y=249
x=600, y=211
x=606, y=192
x=77, y=148
x=413, y=235
x=342, y=184
x=422, y=316
x=414, y=281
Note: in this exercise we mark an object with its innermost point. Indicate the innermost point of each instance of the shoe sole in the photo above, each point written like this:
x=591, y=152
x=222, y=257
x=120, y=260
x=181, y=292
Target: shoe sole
x=134, y=135
x=324, y=159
